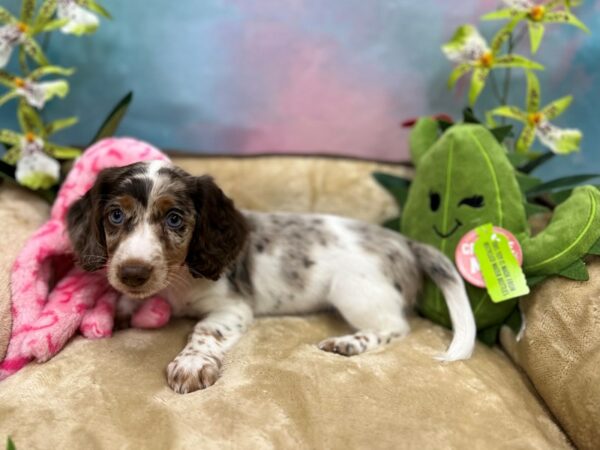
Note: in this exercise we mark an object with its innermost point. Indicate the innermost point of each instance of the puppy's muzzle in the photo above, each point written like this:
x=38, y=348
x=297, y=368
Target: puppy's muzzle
x=135, y=273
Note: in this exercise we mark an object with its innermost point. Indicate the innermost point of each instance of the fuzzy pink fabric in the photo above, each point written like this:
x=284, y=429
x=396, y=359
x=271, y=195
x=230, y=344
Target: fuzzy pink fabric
x=44, y=319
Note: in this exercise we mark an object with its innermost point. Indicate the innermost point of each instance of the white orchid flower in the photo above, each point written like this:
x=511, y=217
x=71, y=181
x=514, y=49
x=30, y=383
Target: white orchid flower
x=536, y=121
x=558, y=140
x=38, y=93
x=11, y=35
x=35, y=169
x=537, y=15
x=471, y=53
x=79, y=19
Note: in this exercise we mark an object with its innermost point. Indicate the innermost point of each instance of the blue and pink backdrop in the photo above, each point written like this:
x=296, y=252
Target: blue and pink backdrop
x=308, y=76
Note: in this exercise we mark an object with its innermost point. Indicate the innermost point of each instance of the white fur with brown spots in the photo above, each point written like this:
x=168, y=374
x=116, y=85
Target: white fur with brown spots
x=162, y=231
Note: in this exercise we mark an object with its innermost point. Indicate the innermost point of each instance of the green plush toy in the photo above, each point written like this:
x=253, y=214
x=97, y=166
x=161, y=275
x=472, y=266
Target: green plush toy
x=464, y=179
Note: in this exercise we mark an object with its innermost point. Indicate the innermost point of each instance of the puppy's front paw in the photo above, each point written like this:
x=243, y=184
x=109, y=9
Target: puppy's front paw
x=191, y=372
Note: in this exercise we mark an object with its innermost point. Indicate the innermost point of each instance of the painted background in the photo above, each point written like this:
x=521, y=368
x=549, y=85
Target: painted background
x=335, y=76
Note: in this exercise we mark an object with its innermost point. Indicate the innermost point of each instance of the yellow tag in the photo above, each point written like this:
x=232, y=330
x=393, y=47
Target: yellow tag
x=503, y=276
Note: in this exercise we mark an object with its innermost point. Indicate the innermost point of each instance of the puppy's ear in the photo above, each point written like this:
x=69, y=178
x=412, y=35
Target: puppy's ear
x=220, y=231
x=86, y=231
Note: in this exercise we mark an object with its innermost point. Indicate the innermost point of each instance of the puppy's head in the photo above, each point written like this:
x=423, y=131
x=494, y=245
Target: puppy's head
x=144, y=221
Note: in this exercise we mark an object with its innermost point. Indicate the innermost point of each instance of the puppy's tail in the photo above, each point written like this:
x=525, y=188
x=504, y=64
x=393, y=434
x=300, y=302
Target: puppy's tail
x=441, y=270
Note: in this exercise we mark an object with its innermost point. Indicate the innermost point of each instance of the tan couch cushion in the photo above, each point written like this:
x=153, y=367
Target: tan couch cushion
x=560, y=351
x=277, y=389
x=21, y=213
x=287, y=183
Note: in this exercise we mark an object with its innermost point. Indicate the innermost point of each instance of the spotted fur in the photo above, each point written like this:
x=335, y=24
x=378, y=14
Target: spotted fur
x=227, y=266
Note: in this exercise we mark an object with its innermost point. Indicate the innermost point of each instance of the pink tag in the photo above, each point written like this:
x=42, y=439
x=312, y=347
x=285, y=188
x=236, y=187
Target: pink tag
x=467, y=263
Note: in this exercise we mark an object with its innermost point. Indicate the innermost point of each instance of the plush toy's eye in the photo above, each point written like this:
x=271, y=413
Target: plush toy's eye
x=434, y=201
x=474, y=202
x=116, y=216
x=174, y=220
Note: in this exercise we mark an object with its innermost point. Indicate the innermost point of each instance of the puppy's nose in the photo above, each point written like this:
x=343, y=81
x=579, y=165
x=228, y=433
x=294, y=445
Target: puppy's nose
x=135, y=274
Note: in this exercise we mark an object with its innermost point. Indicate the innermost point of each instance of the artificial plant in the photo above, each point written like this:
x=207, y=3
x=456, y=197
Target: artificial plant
x=31, y=157
x=469, y=50
x=472, y=173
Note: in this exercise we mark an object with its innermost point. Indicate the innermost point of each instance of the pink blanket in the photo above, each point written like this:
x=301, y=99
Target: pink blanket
x=51, y=297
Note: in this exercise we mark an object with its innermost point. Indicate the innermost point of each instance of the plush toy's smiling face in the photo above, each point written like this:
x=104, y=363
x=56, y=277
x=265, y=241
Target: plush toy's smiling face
x=435, y=204
x=462, y=182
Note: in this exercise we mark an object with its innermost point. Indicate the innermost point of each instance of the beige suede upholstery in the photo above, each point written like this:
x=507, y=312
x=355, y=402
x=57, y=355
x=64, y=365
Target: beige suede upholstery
x=21, y=213
x=560, y=351
x=277, y=389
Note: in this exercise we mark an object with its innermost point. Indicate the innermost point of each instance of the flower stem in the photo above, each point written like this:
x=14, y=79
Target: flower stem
x=23, y=61
x=495, y=88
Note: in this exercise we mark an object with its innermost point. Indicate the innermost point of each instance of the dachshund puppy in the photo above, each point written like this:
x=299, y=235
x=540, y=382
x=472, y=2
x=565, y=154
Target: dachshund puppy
x=155, y=229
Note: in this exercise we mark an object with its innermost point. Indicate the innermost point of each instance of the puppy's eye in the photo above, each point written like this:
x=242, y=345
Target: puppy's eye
x=116, y=216
x=174, y=220
x=474, y=202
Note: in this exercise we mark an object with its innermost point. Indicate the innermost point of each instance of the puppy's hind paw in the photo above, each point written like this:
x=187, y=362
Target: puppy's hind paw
x=345, y=345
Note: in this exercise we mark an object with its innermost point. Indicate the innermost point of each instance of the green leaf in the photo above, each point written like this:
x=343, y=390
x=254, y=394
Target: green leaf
x=8, y=96
x=536, y=33
x=23, y=60
x=10, y=445
x=443, y=125
x=534, y=280
x=95, y=7
x=51, y=70
x=7, y=79
x=517, y=159
x=392, y=224
x=526, y=139
x=560, y=196
x=458, y=72
x=469, y=116
x=395, y=185
x=501, y=14
x=46, y=12
x=533, y=92
x=537, y=162
x=576, y=271
x=489, y=336
x=502, y=132
x=51, y=25
x=60, y=124
x=10, y=137
x=29, y=120
x=6, y=17
x=111, y=123
x=511, y=112
x=7, y=170
x=12, y=155
x=557, y=197
x=573, y=229
x=422, y=137
x=61, y=152
x=477, y=83
x=503, y=34
x=565, y=17
x=527, y=182
x=595, y=249
x=27, y=9
x=33, y=49
x=561, y=183
x=533, y=208
x=517, y=61
x=557, y=107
